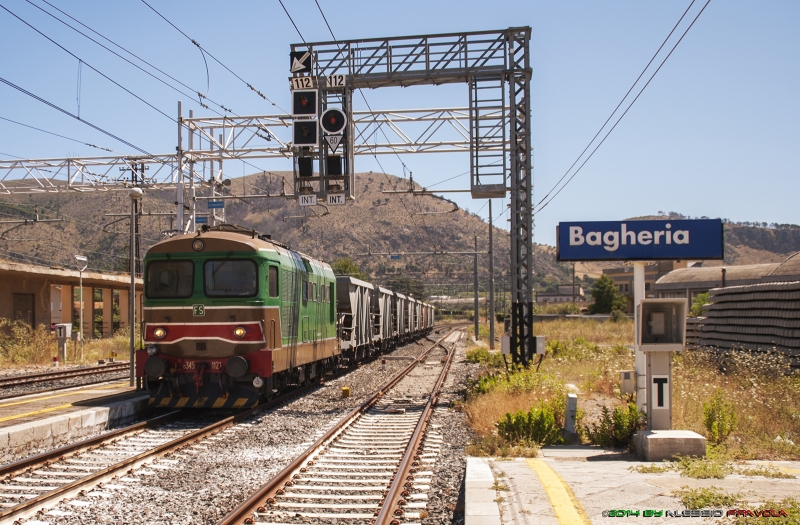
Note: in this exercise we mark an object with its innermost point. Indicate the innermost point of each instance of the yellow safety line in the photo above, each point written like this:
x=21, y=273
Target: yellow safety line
x=566, y=506
x=8, y=418
x=72, y=393
x=788, y=470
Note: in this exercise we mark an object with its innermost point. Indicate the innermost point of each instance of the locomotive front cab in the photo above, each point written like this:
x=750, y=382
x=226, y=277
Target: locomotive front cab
x=211, y=322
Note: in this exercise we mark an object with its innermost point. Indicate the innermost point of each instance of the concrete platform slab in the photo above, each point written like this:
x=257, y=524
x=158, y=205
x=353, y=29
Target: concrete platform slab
x=34, y=436
x=660, y=445
x=527, y=492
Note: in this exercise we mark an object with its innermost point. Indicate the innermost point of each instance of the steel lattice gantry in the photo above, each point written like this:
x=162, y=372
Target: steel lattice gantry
x=495, y=65
x=495, y=130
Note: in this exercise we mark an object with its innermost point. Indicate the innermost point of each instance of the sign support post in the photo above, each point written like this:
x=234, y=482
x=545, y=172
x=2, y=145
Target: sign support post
x=641, y=361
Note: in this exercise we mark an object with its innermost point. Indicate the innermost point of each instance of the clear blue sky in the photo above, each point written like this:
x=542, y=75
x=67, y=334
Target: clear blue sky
x=714, y=134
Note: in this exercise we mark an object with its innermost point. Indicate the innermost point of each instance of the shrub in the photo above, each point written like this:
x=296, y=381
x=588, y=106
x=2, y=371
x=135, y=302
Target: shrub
x=618, y=316
x=719, y=418
x=21, y=344
x=485, y=357
x=703, y=498
x=616, y=429
x=537, y=425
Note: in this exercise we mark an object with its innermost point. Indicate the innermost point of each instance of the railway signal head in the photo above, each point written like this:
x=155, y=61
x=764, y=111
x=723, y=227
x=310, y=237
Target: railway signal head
x=305, y=132
x=333, y=121
x=304, y=102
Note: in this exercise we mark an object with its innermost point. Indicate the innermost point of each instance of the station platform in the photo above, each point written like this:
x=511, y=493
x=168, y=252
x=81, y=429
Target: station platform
x=576, y=485
x=29, y=424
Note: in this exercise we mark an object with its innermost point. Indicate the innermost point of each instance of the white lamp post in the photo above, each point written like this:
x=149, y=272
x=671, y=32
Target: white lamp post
x=81, y=262
x=135, y=194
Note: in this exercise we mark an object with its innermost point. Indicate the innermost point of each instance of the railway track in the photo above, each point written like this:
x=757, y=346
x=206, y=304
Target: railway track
x=55, y=375
x=22, y=385
x=29, y=485
x=373, y=466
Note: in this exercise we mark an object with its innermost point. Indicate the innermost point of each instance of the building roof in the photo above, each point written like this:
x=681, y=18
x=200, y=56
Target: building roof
x=790, y=266
x=711, y=277
x=63, y=275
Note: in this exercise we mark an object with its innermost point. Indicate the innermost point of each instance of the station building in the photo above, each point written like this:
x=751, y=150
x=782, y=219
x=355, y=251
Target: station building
x=43, y=295
x=623, y=278
x=566, y=293
x=692, y=281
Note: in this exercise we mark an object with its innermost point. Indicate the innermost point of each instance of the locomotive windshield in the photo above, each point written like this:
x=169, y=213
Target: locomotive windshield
x=170, y=279
x=230, y=278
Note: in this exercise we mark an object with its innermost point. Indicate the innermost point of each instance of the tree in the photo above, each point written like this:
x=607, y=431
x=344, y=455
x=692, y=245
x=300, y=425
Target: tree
x=606, y=297
x=345, y=266
x=697, y=305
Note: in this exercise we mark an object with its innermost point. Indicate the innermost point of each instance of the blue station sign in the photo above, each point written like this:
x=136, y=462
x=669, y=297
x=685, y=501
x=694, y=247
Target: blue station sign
x=694, y=239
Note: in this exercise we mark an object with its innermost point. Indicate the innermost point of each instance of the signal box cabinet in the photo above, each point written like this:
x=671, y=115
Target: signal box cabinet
x=662, y=325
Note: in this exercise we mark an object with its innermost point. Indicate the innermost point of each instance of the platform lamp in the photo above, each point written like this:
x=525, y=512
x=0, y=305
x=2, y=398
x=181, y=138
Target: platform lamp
x=81, y=262
x=135, y=194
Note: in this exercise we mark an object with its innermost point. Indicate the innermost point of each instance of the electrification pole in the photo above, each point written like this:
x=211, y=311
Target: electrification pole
x=476, y=288
x=135, y=194
x=491, y=278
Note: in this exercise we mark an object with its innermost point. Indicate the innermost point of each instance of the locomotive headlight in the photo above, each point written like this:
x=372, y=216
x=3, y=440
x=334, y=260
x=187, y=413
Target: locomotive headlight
x=160, y=333
x=239, y=332
x=152, y=350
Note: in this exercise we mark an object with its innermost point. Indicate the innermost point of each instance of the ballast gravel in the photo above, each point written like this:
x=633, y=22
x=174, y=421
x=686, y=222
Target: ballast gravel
x=446, y=494
x=203, y=482
x=55, y=383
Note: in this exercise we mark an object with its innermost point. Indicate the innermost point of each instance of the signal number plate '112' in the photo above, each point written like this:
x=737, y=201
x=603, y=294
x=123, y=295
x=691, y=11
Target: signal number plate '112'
x=301, y=82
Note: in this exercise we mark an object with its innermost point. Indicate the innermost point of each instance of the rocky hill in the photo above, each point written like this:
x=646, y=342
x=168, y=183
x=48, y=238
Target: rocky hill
x=96, y=225
x=750, y=242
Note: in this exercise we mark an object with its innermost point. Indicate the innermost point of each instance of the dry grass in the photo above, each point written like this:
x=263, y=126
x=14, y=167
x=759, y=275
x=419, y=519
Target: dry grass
x=590, y=355
x=765, y=398
x=21, y=346
x=605, y=333
x=484, y=411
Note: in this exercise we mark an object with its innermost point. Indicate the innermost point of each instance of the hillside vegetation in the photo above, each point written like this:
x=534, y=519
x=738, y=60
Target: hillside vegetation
x=96, y=225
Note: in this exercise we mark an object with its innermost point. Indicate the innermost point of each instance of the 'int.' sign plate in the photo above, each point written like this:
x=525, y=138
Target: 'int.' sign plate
x=695, y=239
x=307, y=200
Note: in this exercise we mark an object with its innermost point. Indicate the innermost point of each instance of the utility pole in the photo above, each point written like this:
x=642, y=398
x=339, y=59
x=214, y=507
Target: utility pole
x=476, y=288
x=491, y=279
x=573, y=282
x=135, y=194
x=192, y=201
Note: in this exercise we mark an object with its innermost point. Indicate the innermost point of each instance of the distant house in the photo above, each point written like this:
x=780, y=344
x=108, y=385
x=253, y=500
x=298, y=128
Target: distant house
x=566, y=294
x=690, y=282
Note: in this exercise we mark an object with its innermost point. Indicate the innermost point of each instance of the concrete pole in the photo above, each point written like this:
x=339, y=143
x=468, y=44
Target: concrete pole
x=641, y=360
x=179, y=190
x=81, y=334
x=135, y=194
x=192, y=201
x=491, y=279
x=212, y=219
x=476, y=288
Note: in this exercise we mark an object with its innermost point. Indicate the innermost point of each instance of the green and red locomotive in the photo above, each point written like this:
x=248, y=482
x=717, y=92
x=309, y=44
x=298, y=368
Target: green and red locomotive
x=232, y=317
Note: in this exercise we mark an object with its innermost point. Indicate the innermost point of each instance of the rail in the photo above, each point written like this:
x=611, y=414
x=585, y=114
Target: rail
x=242, y=514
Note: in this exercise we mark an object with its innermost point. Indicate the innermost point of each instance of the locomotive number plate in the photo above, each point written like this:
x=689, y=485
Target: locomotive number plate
x=198, y=310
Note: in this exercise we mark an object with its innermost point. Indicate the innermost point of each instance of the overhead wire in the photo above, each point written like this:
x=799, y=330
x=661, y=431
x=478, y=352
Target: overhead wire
x=206, y=52
x=539, y=207
x=98, y=128
x=57, y=135
x=87, y=64
x=198, y=97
